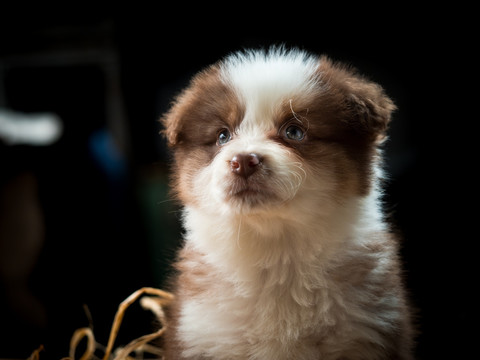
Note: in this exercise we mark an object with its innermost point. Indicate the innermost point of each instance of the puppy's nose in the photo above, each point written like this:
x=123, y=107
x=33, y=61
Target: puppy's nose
x=245, y=164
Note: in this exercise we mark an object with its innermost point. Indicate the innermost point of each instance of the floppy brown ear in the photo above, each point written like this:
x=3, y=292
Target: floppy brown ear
x=171, y=126
x=173, y=120
x=369, y=107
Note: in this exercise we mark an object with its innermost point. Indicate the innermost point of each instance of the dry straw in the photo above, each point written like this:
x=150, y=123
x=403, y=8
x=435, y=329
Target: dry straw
x=155, y=303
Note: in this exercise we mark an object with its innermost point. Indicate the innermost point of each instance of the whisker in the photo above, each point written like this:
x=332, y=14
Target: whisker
x=301, y=119
x=238, y=233
x=164, y=201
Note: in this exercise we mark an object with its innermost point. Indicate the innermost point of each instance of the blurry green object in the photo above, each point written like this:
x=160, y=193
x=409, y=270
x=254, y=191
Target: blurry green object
x=160, y=215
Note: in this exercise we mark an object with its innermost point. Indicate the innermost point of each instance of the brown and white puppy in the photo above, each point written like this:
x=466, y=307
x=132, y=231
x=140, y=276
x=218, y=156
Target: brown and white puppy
x=286, y=253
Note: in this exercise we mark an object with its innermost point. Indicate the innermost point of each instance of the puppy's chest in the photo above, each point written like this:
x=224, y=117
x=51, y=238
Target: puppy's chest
x=266, y=314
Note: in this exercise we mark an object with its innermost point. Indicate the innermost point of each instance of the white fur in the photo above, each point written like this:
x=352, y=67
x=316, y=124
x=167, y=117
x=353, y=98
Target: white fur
x=258, y=266
x=263, y=81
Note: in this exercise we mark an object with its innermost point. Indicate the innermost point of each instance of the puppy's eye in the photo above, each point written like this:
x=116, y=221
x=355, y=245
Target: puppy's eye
x=223, y=137
x=294, y=132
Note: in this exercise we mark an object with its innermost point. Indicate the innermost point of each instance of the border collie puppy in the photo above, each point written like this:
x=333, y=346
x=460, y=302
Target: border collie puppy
x=286, y=252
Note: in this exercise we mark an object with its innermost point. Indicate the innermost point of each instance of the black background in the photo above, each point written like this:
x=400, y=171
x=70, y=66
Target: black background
x=97, y=246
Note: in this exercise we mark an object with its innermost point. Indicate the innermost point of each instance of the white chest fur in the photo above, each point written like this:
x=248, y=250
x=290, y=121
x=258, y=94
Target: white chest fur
x=280, y=296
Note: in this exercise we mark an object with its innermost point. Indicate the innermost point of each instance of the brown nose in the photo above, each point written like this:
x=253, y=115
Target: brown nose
x=245, y=164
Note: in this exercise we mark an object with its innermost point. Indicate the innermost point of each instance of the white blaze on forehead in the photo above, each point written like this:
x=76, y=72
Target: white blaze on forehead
x=263, y=81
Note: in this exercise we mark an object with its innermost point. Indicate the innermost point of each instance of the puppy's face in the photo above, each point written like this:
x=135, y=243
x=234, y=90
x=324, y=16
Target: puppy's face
x=262, y=132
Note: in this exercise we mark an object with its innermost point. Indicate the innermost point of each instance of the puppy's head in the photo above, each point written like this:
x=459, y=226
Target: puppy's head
x=263, y=131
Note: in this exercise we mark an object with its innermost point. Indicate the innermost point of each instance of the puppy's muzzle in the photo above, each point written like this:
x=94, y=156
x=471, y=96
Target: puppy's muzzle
x=245, y=165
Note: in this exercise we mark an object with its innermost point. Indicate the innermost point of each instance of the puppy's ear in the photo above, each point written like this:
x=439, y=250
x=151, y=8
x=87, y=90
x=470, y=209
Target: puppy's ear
x=366, y=108
x=174, y=120
x=171, y=126
x=369, y=108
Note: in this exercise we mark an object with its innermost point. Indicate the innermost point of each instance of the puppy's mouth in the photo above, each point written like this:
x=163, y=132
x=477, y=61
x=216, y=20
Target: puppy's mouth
x=250, y=192
x=247, y=192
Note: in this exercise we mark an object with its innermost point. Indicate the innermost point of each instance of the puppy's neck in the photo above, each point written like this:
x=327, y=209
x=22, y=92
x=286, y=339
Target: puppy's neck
x=241, y=244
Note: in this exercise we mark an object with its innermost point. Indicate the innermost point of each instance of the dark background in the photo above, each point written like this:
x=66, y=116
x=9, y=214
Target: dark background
x=82, y=222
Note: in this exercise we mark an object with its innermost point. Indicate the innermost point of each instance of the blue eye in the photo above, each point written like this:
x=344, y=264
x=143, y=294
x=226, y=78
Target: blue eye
x=294, y=132
x=223, y=137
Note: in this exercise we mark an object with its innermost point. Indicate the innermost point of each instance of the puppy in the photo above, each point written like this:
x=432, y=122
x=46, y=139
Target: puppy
x=286, y=253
